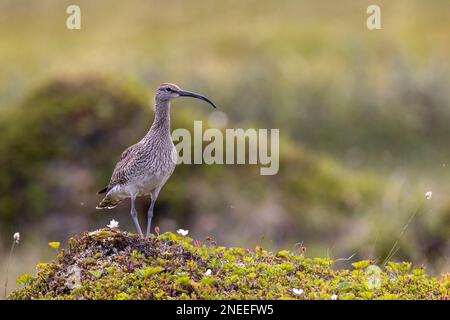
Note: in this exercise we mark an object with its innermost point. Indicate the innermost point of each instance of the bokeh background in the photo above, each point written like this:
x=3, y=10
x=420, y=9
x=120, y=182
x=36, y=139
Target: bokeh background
x=363, y=116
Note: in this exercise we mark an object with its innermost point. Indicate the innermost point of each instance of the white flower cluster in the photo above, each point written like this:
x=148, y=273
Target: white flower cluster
x=297, y=291
x=183, y=232
x=113, y=224
x=16, y=237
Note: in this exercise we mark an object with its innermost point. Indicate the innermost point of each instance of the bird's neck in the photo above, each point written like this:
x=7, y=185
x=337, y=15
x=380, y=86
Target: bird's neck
x=161, y=122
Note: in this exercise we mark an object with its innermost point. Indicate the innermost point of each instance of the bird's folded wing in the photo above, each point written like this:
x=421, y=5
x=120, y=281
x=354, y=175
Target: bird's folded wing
x=120, y=174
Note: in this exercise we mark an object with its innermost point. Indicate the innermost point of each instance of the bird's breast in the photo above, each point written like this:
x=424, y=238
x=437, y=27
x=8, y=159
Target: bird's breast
x=158, y=167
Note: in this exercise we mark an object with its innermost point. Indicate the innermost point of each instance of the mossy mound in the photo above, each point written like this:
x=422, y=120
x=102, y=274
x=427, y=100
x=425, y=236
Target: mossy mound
x=110, y=264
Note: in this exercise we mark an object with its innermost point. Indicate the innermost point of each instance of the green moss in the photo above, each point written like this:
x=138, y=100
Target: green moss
x=361, y=264
x=110, y=264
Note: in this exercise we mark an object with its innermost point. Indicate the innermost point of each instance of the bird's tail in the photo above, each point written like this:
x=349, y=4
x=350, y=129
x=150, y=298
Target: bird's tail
x=108, y=202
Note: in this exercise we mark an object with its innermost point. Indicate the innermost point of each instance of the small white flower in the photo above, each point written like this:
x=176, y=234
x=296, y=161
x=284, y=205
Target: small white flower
x=297, y=291
x=113, y=224
x=208, y=272
x=16, y=237
x=428, y=195
x=334, y=297
x=183, y=232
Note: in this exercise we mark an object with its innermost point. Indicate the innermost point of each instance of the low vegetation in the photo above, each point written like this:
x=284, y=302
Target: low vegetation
x=363, y=118
x=110, y=264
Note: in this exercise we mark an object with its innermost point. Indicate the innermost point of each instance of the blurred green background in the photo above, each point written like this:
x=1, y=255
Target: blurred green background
x=363, y=117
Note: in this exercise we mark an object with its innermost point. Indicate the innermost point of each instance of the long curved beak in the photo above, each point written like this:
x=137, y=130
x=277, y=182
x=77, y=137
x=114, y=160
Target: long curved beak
x=184, y=93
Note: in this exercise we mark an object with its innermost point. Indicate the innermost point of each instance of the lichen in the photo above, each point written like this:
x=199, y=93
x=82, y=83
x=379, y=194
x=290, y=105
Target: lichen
x=110, y=264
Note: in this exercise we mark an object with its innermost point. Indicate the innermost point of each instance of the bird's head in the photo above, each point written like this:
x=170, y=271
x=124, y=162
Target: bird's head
x=168, y=91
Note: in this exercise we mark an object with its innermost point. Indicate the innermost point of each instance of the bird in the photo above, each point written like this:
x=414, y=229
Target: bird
x=144, y=168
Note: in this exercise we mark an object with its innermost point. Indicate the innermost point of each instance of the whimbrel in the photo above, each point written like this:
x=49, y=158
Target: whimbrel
x=145, y=167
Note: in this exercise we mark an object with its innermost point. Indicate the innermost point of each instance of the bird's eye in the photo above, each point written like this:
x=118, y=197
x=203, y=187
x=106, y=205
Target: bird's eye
x=168, y=89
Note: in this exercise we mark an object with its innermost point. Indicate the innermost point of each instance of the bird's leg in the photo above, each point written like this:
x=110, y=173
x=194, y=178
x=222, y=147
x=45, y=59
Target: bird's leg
x=149, y=218
x=134, y=215
x=154, y=195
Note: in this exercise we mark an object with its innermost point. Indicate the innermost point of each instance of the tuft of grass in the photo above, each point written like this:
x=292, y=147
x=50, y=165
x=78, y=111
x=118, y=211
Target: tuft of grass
x=110, y=264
